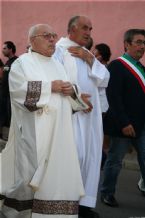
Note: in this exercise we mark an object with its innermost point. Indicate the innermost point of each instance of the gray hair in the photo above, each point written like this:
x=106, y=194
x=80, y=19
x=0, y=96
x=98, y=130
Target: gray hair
x=34, y=30
x=129, y=34
x=72, y=22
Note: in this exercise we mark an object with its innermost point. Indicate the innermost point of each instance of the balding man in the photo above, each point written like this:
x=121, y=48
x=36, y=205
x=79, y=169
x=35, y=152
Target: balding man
x=85, y=71
x=45, y=179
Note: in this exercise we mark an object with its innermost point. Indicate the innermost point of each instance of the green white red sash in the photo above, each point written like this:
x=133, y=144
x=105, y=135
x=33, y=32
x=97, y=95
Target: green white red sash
x=134, y=70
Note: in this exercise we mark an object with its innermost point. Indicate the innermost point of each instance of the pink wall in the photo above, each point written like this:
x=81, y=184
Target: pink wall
x=109, y=18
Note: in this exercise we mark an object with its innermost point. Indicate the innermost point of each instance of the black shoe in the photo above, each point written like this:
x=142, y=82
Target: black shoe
x=95, y=214
x=87, y=212
x=109, y=200
x=90, y=215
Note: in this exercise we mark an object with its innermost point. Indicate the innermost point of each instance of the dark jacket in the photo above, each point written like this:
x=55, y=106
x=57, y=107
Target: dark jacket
x=5, y=115
x=126, y=101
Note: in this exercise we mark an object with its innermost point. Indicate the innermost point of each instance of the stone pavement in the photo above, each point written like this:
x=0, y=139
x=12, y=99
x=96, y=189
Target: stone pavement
x=130, y=199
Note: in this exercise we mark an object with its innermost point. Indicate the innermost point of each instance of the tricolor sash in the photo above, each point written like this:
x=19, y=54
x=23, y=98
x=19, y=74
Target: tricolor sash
x=137, y=72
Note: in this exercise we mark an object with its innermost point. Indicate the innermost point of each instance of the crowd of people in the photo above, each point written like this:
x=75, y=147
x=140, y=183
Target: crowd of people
x=69, y=114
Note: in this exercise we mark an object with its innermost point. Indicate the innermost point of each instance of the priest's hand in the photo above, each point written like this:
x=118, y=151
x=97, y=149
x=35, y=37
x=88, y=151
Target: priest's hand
x=67, y=89
x=56, y=86
x=85, y=98
x=82, y=53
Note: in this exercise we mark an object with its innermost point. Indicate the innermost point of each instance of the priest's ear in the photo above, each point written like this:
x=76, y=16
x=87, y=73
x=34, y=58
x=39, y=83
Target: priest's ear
x=32, y=39
x=74, y=27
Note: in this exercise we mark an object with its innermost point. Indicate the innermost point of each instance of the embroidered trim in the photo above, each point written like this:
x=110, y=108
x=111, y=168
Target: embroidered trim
x=43, y=206
x=137, y=74
x=18, y=204
x=55, y=207
x=33, y=95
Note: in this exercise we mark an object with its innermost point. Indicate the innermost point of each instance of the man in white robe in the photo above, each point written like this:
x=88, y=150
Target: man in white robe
x=44, y=178
x=88, y=73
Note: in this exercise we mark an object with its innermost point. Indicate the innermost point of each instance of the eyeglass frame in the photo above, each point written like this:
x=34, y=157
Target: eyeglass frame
x=139, y=42
x=46, y=35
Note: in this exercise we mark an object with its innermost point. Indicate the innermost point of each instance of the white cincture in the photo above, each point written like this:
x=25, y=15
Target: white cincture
x=45, y=110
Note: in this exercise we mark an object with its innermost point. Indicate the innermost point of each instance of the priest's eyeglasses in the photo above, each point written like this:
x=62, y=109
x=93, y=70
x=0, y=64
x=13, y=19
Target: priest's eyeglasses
x=47, y=36
x=139, y=42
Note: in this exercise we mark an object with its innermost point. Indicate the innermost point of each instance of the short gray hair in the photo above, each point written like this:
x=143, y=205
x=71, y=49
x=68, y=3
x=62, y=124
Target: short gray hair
x=34, y=29
x=72, y=22
x=129, y=34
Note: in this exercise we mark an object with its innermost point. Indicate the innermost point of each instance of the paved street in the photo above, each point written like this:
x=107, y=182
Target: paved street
x=131, y=201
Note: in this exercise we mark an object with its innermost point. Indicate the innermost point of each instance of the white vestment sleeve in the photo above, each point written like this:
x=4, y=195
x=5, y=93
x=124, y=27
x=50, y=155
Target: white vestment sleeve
x=58, y=55
x=100, y=73
x=26, y=93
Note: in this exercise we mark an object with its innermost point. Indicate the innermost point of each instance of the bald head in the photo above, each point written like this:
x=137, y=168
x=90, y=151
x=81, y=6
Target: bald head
x=79, y=29
x=72, y=22
x=34, y=30
x=42, y=39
